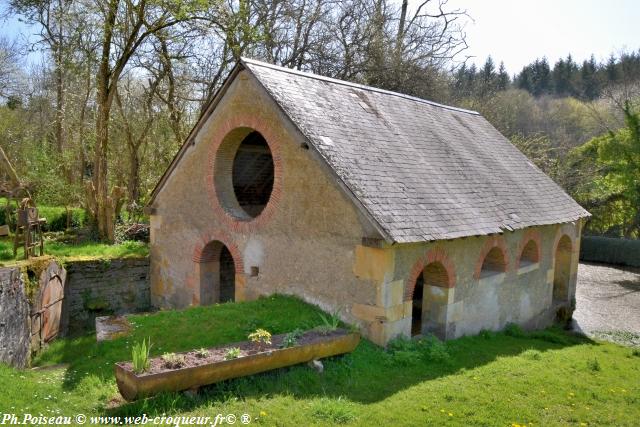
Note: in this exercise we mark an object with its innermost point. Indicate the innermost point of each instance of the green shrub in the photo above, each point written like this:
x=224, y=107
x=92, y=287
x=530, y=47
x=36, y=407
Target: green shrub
x=433, y=349
x=140, y=356
x=56, y=217
x=635, y=352
x=486, y=334
x=333, y=411
x=532, y=354
x=406, y=351
x=610, y=251
x=593, y=364
x=401, y=343
x=513, y=330
x=549, y=335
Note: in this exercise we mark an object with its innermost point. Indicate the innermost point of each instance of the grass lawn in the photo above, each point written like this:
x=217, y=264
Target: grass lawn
x=546, y=378
x=87, y=250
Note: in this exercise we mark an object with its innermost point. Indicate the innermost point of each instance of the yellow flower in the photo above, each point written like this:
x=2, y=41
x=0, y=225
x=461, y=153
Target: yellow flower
x=263, y=414
x=583, y=424
x=441, y=410
x=571, y=394
x=450, y=414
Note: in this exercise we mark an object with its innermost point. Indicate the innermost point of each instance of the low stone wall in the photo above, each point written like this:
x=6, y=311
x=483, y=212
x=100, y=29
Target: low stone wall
x=15, y=336
x=103, y=287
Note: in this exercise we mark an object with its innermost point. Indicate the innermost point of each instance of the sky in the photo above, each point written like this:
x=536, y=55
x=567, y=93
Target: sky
x=517, y=31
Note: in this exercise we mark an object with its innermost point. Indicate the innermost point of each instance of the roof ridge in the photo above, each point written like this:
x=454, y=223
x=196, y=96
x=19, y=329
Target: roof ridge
x=355, y=85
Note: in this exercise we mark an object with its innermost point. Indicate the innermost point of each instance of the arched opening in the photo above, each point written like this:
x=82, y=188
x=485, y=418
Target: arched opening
x=416, y=308
x=562, y=270
x=529, y=254
x=426, y=300
x=244, y=173
x=217, y=274
x=493, y=263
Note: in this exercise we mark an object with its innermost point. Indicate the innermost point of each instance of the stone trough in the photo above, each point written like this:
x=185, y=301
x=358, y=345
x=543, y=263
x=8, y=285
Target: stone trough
x=133, y=386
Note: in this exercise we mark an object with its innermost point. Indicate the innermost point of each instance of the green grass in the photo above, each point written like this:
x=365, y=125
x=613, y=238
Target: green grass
x=547, y=378
x=88, y=250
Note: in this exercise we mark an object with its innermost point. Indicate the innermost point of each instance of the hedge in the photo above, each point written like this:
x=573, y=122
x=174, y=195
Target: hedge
x=610, y=251
x=56, y=217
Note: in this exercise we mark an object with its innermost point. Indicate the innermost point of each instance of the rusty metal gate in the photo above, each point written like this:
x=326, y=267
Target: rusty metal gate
x=47, y=313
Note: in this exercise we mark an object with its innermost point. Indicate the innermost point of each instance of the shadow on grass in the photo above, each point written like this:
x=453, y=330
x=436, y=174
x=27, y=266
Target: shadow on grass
x=369, y=374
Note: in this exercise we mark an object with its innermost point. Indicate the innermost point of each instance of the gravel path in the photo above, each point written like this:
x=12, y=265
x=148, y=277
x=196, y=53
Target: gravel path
x=608, y=302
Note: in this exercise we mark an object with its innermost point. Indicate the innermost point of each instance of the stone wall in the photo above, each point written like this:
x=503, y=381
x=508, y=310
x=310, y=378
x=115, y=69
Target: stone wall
x=103, y=287
x=14, y=319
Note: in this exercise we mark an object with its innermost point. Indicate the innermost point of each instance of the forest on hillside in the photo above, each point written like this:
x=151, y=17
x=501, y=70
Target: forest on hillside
x=118, y=84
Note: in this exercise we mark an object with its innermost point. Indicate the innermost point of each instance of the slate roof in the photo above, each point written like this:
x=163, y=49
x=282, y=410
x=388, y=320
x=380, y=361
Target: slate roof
x=422, y=170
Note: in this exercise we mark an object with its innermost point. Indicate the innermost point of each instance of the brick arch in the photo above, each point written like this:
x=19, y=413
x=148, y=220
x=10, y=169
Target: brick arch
x=528, y=236
x=489, y=244
x=435, y=255
x=564, y=230
x=229, y=129
x=206, y=250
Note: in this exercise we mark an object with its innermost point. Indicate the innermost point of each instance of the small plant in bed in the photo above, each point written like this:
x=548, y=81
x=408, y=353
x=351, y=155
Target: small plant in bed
x=173, y=361
x=232, y=353
x=140, y=356
x=202, y=353
x=291, y=338
x=331, y=322
x=261, y=337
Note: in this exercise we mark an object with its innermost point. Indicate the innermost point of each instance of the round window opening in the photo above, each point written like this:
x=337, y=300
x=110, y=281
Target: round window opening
x=244, y=173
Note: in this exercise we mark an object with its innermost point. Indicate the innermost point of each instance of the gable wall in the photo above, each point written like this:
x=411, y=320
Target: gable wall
x=304, y=241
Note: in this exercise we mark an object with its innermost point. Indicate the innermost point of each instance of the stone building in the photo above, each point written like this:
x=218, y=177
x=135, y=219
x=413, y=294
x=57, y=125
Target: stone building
x=404, y=215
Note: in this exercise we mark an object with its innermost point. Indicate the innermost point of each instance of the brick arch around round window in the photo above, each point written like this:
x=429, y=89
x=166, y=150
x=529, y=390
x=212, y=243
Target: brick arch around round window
x=436, y=255
x=529, y=236
x=238, y=126
x=491, y=243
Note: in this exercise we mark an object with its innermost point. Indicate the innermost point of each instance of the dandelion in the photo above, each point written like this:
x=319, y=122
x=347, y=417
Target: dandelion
x=263, y=414
x=450, y=414
x=441, y=410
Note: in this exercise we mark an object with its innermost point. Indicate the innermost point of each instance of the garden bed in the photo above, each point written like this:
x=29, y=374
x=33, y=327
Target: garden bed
x=198, y=368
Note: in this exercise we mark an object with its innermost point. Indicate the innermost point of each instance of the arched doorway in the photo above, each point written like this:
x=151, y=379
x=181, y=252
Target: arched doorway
x=562, y=271
x=425, y=301
x=418, y=302
x=217, y=274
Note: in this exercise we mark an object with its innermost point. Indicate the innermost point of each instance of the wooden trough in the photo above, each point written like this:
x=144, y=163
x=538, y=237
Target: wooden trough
x=133, y=386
